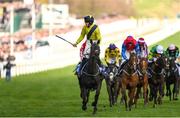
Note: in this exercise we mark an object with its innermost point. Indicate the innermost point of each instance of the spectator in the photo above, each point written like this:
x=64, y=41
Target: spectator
x=8, y=67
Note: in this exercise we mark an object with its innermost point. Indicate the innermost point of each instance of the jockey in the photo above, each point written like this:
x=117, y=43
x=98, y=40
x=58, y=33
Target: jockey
x=172, y=51
x=143, y=47
x=92, y=32
x=112, y=55
x=155, y=52
x=129, y=45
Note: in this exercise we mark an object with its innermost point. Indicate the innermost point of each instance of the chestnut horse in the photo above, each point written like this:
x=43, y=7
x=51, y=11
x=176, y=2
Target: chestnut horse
x=129, y=79
x=143, y=81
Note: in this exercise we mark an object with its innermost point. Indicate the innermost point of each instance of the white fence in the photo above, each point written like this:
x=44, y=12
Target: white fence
x=61, y=54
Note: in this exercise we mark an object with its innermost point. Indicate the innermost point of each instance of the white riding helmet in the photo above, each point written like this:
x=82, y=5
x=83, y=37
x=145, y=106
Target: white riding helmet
x=172, y=47
x=159, y=49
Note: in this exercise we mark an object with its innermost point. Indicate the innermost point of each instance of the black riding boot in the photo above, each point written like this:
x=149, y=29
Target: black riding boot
x=84, y=60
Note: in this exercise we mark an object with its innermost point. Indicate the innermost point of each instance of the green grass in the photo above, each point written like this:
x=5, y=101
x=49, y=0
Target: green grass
x=56, y=93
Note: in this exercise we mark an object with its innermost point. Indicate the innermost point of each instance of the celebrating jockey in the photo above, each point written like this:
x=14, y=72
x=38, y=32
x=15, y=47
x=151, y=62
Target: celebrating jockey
x=92, y=33
x=155, y=52
x=112, y=55
x=143, y=47
x=129, y=45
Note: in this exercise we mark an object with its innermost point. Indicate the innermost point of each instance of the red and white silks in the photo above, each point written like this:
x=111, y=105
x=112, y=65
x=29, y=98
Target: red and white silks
x=85, y=49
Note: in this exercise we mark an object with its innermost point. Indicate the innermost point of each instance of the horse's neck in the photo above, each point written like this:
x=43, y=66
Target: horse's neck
x=92, y=65
x=157, y=68
x=128, y=67
x=111, y=67
x=143, y=64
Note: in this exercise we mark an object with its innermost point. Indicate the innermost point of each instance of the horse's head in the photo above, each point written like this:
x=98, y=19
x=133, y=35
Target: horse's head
x=143, y=64
x=133, y=60
x=112, y=71
x=95, y=50
x=161, y=62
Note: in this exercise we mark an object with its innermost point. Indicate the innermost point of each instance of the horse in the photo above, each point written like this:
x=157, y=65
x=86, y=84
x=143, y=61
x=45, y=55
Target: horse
x=90, y=78
x=143, y=81
x=156, y=82
x=129, y=79
x=172, y=77
x=112, y=82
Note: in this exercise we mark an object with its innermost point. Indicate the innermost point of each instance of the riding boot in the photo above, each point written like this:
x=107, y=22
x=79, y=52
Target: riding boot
x=84, y=60
x=77, y=68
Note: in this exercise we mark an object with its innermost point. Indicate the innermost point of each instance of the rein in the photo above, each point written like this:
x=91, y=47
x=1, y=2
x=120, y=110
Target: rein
x=92, y=75
x=128, y=73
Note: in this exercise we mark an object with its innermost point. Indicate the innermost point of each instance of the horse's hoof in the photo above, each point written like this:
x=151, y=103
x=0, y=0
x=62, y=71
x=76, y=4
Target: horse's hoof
x=93, y=104
x=95, y=110
x=84, y=108
x=145, y=104
x=122, y=102
x=110, y=105
x=135, y=106
x=167, y=94
x=175, y=99
x=150, y=98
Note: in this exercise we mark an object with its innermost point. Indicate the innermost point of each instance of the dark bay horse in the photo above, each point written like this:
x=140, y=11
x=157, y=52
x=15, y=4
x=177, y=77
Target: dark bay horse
x=172, y=77
x=129, y=79
x=90, y=79
x=156, y=82
x=143, y=81
x=112, y=83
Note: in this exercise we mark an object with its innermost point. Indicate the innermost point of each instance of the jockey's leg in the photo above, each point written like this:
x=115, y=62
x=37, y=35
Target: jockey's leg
x=77, y=68
x=102, y=68
x=84, y=60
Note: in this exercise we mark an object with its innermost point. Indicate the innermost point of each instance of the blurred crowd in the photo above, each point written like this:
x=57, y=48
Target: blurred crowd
x=22, y=39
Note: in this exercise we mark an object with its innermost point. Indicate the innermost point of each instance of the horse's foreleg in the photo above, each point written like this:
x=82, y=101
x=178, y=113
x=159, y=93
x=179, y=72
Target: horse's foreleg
x=175, y=90
x=154, y=94
x=145, y=90
x=116, y=92
x=167, y=88
x=137, y=95
x=131, y=96
x=161, y=92
x=170, y=93
x=150, y=92
x=109, y=92
x=96, y=97
x=123, y=92
x=84, y=97
x=88, y=92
